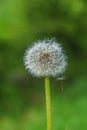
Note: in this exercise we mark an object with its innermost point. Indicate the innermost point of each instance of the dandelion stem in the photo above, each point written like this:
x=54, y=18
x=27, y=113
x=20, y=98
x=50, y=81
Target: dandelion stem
x=48, y=103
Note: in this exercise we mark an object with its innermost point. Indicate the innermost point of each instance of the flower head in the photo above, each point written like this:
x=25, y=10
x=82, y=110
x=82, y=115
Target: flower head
x=45, y=58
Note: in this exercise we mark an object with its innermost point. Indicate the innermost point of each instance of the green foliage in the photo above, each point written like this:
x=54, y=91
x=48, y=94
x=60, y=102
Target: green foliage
x=21, y=23
x=68, y=111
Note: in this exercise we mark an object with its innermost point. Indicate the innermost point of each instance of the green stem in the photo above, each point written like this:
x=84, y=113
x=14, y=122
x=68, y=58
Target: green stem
x=48, y=103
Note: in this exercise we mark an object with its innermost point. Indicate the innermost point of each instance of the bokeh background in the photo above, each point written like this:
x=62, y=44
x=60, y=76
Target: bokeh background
x=22, y=97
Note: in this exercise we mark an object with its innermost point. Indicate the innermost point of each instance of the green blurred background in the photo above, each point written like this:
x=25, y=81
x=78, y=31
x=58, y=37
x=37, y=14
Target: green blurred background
x=22, y=97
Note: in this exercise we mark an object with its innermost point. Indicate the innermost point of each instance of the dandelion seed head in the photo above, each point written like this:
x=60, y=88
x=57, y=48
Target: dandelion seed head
x=45, y=58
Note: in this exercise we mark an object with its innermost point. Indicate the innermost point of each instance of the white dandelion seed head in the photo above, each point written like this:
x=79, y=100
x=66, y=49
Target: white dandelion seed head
x=45, y=58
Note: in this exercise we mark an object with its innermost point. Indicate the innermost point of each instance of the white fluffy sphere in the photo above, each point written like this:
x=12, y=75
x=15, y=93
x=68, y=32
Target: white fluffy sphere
x=45, y=58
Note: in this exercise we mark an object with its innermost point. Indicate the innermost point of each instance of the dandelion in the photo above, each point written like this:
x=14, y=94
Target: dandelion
x=46, y=59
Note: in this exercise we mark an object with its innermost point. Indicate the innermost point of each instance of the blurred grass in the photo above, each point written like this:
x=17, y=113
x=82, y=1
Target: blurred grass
x=68, y=111
x=22, y=102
